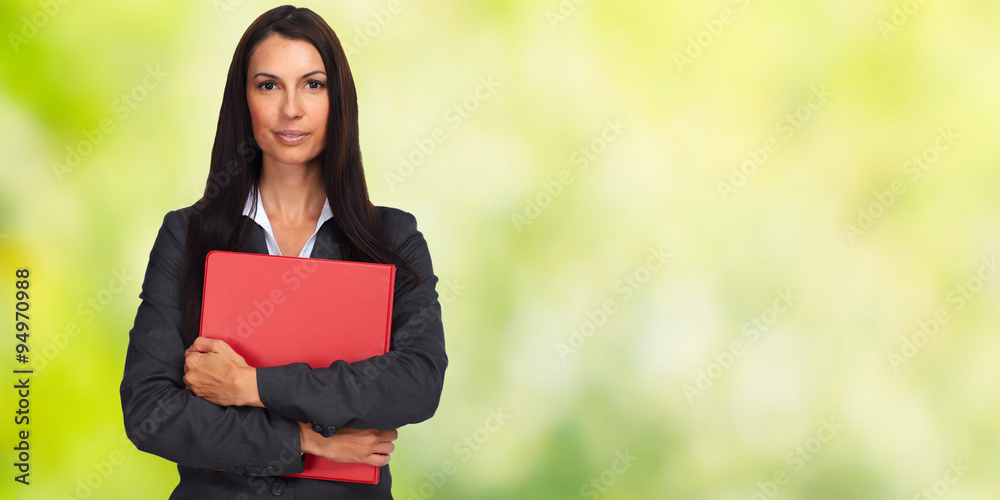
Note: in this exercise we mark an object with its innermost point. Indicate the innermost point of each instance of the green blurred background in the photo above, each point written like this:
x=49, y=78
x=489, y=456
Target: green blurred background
x=688, y=250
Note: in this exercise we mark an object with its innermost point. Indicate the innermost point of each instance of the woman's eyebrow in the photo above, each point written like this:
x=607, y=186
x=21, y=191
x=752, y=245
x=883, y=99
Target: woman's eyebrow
x=268, y=75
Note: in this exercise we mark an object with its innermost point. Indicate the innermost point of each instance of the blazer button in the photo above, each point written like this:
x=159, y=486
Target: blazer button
x=254, y=471
x=278, y=487
x=240, y=470
x=270, y=470
x=317, y=428
x=330, y=431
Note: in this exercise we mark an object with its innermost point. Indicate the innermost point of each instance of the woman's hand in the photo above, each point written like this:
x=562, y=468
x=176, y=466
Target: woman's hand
x=352, y=446
x=213, y=370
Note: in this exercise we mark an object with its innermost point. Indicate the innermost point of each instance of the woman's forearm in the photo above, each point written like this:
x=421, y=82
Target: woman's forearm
x=369, y=446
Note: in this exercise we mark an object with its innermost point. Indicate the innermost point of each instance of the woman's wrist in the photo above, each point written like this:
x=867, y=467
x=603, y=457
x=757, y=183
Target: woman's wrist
x=305, y=438
x=249, y=387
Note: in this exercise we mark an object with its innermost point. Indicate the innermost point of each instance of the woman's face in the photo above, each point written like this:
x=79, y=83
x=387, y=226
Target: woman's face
x=288, y=100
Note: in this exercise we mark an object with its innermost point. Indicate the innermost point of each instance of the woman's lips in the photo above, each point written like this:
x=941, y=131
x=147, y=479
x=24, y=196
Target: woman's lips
x=291, y=137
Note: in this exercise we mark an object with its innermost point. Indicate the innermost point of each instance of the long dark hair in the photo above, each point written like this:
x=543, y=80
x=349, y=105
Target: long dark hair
x=217, y=222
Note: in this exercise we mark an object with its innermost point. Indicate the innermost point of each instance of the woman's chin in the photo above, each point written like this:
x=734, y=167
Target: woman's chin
x=292, y=160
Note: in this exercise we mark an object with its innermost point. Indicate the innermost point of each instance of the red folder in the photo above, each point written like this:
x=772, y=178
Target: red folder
x=276, y=310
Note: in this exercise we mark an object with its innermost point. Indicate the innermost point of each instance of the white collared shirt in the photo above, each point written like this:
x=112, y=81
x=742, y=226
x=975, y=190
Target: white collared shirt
x=260, y=217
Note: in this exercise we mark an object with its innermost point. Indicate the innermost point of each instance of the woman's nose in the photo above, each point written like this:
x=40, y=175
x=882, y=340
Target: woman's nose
x=291, y=106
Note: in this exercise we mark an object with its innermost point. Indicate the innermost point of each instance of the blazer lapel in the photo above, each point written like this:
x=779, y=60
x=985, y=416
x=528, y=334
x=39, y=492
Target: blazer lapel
x=327, y=244
x=254, y=242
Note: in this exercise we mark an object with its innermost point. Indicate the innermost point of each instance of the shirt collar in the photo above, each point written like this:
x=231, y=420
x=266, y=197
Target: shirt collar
x=256, y=212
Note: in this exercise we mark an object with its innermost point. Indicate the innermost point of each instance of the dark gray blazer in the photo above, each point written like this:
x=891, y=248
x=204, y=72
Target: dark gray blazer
x=252, y=446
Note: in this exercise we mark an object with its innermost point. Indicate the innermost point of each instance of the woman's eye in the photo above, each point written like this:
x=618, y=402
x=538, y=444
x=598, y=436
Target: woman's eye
x=314, y=85
x=266, y=85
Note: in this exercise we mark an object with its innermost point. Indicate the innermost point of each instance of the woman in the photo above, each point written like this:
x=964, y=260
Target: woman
x=285, y=179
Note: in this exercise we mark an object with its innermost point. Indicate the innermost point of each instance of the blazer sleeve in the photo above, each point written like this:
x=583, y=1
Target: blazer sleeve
x=164, y=418
x=388, y=391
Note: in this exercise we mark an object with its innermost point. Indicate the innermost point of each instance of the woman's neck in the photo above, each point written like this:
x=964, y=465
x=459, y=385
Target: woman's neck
x=291, y=194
